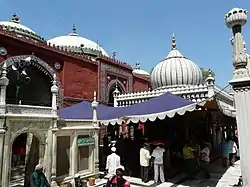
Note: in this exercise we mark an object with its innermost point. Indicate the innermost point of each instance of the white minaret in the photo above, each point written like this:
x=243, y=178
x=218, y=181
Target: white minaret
x=54, y=91
x=235, y=20
x=210, y=80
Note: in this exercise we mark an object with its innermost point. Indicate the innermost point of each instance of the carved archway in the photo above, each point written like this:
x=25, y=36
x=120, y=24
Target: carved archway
x=26, y=151
x=41, y=66
x=111, y=87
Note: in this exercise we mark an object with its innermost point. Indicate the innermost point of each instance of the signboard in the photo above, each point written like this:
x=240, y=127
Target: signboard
x=85, y=141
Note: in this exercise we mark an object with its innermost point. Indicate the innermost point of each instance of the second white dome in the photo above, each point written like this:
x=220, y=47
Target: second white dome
x=175, y=70
x=74, y=40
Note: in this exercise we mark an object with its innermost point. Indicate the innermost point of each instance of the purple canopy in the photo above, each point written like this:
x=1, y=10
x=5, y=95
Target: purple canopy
x=158, y=107
x=84, y=111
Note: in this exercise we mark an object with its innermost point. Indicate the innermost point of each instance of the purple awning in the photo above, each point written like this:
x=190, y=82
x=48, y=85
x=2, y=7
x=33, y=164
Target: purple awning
x=158, y=107
x=84, y=111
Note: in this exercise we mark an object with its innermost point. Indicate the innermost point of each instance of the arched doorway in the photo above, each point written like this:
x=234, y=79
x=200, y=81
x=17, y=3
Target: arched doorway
x=30, y=81
x=24, y=158
x=111, y=88
x=29, y=88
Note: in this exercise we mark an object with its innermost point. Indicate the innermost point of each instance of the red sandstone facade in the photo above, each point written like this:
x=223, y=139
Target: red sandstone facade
x=79, y=75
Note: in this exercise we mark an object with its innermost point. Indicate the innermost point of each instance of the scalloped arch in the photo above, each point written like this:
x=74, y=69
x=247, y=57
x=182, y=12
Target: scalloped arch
x=41, y=66
x=112, y=84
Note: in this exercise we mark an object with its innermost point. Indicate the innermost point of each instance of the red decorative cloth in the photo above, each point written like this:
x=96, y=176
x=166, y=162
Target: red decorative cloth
x=141, y=127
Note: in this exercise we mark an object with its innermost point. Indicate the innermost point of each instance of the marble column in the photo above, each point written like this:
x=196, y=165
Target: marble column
x=6, y=157
x=74, y=153
x=96, y=134
x=2, y=133
x=48, y=161
x=54, y=154
x=41, y=153
x=235, y=20
x=4, y=81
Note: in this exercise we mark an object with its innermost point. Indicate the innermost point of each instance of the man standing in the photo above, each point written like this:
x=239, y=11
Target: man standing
x=232, y=151
x=144, y=162
x=113, y=161
x=158, y=163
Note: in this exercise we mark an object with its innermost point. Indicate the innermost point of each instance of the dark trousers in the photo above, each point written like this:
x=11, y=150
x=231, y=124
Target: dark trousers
x=232, y=157
x=190, y=166
x=205, y=169
x=144, y=174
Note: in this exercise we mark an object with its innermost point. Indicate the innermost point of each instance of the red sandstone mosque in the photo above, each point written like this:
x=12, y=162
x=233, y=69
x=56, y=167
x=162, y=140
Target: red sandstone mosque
x=81, y=65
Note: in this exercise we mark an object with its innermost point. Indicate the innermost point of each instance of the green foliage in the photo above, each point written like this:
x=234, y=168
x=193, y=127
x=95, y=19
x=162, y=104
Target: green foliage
x=205, y=73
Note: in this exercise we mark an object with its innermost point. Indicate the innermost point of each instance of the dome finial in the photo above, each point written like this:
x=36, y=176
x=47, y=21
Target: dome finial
x=173, y=42
x=15, y=18
x=74, y=33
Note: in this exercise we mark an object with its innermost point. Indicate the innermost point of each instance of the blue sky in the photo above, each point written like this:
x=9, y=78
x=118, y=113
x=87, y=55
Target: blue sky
x=140, y=30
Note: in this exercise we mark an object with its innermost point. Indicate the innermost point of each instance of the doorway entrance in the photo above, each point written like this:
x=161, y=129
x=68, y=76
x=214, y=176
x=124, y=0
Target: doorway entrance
x=25, y=157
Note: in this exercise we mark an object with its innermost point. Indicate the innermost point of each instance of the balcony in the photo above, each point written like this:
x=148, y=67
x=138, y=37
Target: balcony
x=28, y=111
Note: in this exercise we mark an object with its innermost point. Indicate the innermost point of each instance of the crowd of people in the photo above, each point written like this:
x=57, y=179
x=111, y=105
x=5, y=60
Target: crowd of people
x=196, y=160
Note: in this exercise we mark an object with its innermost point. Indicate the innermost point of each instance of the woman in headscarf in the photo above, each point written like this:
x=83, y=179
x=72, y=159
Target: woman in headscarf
x=38, y=178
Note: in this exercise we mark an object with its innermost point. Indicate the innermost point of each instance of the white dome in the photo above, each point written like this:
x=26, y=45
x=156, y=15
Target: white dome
x=73, y=40
x=20, y=30
x=140, y=72
x=175, y=69
x=15, y=25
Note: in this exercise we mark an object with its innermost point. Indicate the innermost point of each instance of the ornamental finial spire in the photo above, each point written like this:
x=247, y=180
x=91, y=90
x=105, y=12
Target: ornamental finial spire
x=173, y=42
x=15, y=18
x=74, y=33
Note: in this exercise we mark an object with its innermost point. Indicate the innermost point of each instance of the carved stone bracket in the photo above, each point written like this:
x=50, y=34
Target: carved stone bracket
x=117, y=71
x=41, y=66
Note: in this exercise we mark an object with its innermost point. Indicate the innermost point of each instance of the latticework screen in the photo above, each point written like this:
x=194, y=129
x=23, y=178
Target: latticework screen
x=62, y=164
x=83, y=158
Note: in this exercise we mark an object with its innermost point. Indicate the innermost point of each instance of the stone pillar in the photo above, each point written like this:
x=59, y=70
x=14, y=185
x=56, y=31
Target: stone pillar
x=4, y=81
x=41, y=153
x=96, y=134
x=48, y=161
x=74, y=153
x=235, y=20
x=54, y=91
x=54, y=154
x=6, y=157
x=2, y=133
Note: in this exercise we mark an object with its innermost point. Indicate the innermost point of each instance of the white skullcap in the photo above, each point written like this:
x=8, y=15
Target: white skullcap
x=77, y=175
x=38, y=167
x=120, y=167
x=113, y=149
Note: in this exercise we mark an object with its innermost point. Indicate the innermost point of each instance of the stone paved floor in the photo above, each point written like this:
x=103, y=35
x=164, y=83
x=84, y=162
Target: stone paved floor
x=219, y=177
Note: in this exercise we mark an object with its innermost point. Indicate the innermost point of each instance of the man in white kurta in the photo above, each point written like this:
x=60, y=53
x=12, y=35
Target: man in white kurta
x=113, y=161
x=158, y=163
